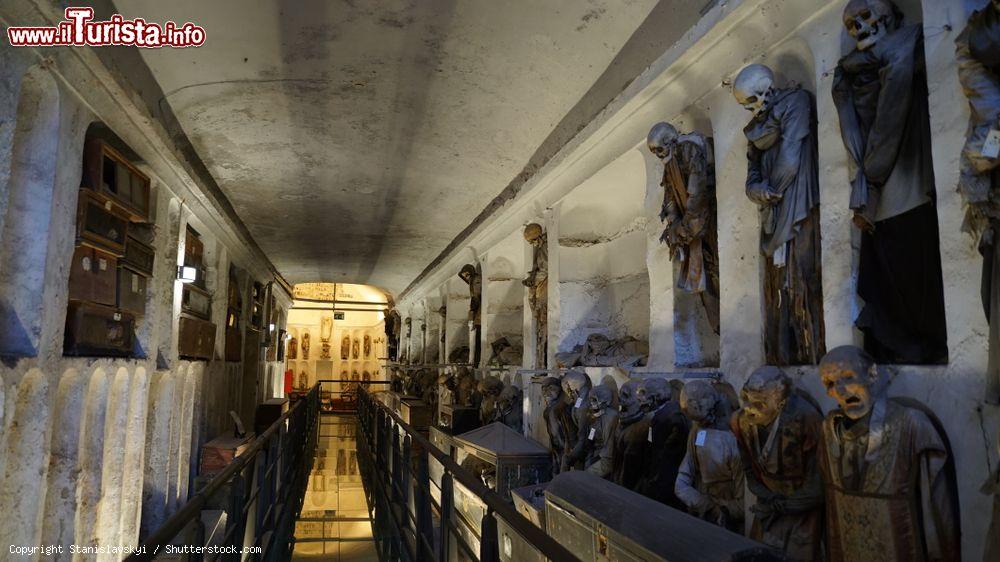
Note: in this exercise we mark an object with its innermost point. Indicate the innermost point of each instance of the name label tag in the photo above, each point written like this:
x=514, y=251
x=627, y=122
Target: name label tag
x=649, y=436
x=579, y=402
x=699, y=439
x=991, y=148
x=593, y=431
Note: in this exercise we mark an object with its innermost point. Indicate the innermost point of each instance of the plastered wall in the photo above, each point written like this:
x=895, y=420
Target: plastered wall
x=93, y=451
x=604, y=182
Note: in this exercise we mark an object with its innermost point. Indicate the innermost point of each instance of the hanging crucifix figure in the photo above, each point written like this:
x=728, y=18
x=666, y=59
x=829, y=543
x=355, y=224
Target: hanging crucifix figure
x=537, y=283
x=880, y=90
x=783, y=180
x=689, y=212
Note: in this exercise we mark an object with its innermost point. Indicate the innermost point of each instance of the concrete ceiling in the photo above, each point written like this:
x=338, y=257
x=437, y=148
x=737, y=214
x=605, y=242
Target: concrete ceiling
x=356, y=139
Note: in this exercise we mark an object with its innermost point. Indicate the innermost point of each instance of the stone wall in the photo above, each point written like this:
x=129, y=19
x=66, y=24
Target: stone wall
x=604, y=182
x=99, y=451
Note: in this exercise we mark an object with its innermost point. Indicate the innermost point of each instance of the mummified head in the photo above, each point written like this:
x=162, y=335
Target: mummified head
x=869, y=20
x=551, y=391
x=753, y=88
x=661, y=139
x=533, y=233
x=699, y=401
x=764, y=395
x=575, y=384
x=653, y=392
x=852, y=379
x=628, y=397
x=600, y=398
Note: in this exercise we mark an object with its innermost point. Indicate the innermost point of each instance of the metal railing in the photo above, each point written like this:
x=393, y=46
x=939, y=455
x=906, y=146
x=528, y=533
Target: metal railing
x=409, y=525
x=340, y=396
x=261, y=493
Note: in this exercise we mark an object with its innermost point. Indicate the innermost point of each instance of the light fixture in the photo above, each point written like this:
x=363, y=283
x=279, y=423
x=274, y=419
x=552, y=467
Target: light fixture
x=187, y=274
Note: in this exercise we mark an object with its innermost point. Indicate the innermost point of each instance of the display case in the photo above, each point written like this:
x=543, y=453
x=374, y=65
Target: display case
x=139, y=257
x=196, y=301
x=529, y=501
x=598, y=520
x=415, y=412
x=97, y=330
x=132, y=287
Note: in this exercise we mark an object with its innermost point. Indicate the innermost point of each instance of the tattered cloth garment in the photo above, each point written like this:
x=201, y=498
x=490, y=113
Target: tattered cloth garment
x=630, y=450
x=710, y=479
x=689, y=205
x=781, y=462
x=891, y=487
x=881, y=96
x=667, y=436
x=978, y=53
x=782, y=164
x=561, y=426
x=600, y=444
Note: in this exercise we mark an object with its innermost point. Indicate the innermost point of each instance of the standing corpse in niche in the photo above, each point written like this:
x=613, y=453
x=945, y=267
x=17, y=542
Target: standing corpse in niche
x=783, y=180
x=880, y=90
x=689, y=212
x=978, y=52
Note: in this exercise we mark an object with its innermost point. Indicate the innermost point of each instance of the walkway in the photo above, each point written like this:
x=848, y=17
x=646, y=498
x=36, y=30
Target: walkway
x=334, y=525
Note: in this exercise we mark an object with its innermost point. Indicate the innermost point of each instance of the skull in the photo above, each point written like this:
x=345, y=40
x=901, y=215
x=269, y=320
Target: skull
x=753, y=88
x=868, y=20
x=764, y=395
x=653, y=392
x=600, y=398
x=509, y=398
x=533, y=234
x=699, y=400
x=628, y=398
x=575, y=384
x=850, y=377
x=661, y=139
x=468, y=273
x=491, y=386
x=551, y=391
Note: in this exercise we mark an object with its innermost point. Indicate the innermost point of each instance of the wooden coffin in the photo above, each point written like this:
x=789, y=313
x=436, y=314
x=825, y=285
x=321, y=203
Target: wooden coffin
x=101, y=223
x=457, y=420
x=93, y=276
x=139, y=257
x=196, y=301
x=415, y=412
x=94, y=330
x=219, y=452
x=108, y=172
x=267, y=413
x=598, y=520
x=132, y=288
x=196, y=338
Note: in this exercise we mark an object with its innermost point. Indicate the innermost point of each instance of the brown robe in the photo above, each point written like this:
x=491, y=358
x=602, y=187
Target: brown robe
x=711, y=474
x=537, y=283
x=600, y=442
x=630, y=450
x=788, y=471
x=891, y=492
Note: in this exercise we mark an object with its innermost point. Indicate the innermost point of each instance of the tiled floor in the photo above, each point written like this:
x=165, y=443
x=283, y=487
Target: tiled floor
x=334, y=524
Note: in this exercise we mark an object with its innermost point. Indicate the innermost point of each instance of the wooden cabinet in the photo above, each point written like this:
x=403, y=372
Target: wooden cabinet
x=132, y=287
x=96, y=330
x=139, y=257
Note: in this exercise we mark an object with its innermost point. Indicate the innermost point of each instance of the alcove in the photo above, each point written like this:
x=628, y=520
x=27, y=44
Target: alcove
x=22, y=492
x=25, y=236
x=58, y=523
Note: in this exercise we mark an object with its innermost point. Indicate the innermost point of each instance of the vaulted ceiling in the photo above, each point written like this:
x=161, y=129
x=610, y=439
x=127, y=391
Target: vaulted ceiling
x=357, y=138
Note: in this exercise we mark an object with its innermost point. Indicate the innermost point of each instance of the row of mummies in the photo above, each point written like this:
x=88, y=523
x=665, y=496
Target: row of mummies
x=875, y=477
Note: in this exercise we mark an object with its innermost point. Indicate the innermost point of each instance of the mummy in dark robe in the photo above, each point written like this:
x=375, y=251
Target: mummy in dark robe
x=880, y=90
x=490, y=389
x=978, y=50
x=667, y=436
x=559, y=421
x=778, y=431
x=510, y=408
x=783, y=181
x=537, y=283
x=631, y=447
x=600, y=437
x=577, y=386
x=891, y=491
x=710, y=479
x=368, y=346
x=689, y=212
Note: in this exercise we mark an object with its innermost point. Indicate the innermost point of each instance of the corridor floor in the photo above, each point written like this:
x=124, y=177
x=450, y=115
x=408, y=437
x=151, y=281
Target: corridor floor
x=334, y=524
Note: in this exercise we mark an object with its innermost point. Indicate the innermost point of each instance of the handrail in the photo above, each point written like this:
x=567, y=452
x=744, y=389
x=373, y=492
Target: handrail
x=545, y=544
x=191, y=510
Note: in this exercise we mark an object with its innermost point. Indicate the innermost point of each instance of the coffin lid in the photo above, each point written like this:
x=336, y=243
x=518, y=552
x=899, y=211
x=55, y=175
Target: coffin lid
x=641, y=521
x=498, y=440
